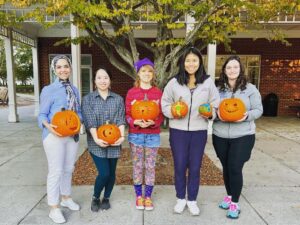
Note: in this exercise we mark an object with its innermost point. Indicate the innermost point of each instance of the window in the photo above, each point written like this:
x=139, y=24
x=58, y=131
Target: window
x=86, y=61
x=250, y=62
x=85, y=71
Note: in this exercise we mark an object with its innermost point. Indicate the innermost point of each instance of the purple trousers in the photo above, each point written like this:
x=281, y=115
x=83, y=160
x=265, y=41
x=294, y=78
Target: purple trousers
x=187, y=149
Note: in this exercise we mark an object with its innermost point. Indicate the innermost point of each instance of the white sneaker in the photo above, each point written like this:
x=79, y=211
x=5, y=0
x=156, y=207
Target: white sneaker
x=180, y=205
x=193, y=208
x=69, y=203
x=57, y=216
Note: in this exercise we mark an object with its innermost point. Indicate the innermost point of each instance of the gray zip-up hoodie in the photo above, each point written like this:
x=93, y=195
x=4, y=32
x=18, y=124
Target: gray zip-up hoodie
x=252, y=100
x=203, y=93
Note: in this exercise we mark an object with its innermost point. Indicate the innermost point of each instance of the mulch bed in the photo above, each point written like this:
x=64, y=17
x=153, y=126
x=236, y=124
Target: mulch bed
x=86, y=172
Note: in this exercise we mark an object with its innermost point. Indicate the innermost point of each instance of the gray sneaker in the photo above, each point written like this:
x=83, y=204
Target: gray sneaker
x=95, y=205
x=105, y=204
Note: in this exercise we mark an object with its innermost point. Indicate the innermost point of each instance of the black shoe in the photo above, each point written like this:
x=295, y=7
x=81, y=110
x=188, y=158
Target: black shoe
x=105, y=204
x=95, y=205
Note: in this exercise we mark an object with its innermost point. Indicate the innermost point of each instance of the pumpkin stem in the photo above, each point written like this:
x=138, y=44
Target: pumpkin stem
x=180, y=99
x=63, y=109
x=107, y=122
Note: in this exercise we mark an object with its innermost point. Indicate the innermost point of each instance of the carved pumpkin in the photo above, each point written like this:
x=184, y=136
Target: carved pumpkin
x=179, y=109
x=205, y=110
x=232, y=109
x=109, y=133
x=145, y=109
x=67, y=122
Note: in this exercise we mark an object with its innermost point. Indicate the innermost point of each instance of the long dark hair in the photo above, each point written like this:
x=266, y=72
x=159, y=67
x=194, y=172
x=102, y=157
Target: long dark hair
x=183, y=77
x=241, y=81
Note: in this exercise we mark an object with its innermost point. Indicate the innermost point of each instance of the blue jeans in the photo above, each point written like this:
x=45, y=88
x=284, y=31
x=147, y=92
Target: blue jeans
x=106, y=175
x=145, y=140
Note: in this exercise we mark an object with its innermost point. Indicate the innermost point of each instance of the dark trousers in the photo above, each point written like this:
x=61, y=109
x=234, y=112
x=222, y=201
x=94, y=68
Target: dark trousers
x=187, y=149
x=233, y=153
x=106, y=175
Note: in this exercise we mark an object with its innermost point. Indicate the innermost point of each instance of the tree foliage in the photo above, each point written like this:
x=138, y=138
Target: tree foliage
x=23, y=63
x=111, y=24
x=3, y=76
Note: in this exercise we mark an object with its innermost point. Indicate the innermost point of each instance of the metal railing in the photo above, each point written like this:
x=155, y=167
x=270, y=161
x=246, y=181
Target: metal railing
x=279, y=19
x=22, y=12
x=22, y=38
x=18, y=36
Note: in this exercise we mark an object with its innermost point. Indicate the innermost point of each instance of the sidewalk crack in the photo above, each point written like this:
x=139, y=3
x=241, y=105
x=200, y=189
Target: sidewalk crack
x=20, y=221
x=259, y=215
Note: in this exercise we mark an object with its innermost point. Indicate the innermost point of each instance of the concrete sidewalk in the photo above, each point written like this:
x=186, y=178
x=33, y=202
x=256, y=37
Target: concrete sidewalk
x=271, y=193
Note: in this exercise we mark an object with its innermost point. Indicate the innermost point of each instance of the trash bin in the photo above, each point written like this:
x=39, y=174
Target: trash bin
x=270, y=105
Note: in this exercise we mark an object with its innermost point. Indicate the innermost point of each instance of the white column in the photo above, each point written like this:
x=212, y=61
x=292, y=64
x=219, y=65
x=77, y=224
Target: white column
x=36, y=81
x=190, y=23
x=76, y=56
x=211, y=70
x=12, y=104
x=76, y=65
x=211, y=59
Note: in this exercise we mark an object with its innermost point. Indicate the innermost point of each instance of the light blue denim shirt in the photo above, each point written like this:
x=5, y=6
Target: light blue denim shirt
x=52, y=99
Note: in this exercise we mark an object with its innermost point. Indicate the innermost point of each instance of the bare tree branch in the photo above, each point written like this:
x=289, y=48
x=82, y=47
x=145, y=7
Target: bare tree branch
x=131, y=39
x=106, y=48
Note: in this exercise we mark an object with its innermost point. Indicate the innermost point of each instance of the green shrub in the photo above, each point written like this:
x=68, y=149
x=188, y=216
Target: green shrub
x=24, y=88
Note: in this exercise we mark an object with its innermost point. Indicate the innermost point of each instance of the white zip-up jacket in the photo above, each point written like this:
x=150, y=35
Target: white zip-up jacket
x=252, y=100
x=203, y=93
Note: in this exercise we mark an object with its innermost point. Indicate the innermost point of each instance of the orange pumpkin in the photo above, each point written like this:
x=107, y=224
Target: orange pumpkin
x=232, y=109
x=109, y=133
x=67, y=122
x=179, y=109
x=145, y=109
x=205, y=110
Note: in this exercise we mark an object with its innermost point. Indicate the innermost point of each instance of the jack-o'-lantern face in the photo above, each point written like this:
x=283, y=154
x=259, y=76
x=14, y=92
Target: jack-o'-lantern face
x=109, y=133
x=67, y=122
x=232, y=109
x=145, y=109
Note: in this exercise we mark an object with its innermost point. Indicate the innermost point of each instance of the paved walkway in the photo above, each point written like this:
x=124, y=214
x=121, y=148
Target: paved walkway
x=271, y=193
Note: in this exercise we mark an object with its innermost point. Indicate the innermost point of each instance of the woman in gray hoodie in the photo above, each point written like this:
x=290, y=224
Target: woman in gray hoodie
x=233, y=141
x=188, y=135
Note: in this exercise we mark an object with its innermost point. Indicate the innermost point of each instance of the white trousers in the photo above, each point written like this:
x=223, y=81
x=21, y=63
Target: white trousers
x=61, y=155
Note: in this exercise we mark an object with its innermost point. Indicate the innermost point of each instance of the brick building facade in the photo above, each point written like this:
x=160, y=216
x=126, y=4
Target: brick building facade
x=279, y=66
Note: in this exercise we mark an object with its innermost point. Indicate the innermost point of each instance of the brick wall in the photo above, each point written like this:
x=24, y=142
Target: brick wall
x=280, y=66
x=120, y=82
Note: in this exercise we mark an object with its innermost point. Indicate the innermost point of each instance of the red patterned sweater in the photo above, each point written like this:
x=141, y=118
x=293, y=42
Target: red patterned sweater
x=137, y=93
